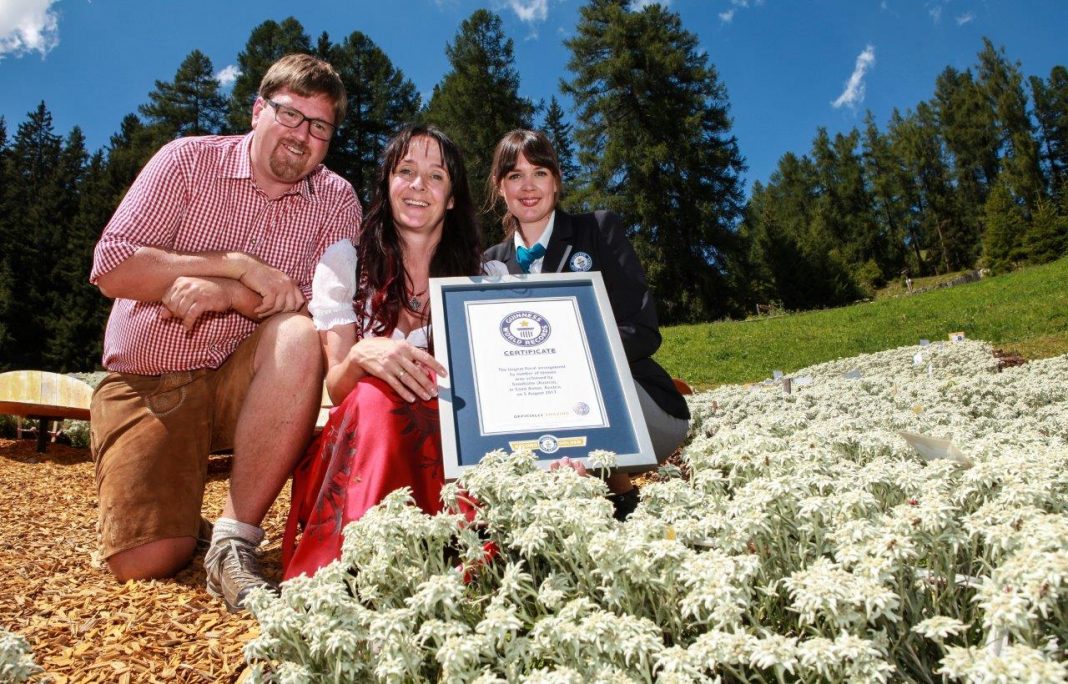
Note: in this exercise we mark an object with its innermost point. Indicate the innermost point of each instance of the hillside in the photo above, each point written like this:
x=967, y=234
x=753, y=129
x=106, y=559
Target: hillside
x=1024, y=312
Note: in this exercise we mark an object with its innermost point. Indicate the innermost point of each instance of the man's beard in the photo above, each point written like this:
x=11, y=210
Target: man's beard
x=284, y=166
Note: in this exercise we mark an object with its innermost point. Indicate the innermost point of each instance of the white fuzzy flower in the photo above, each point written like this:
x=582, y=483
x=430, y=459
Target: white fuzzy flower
x=805, y=513
x=16, y=659
x=774, y=651
x=1015, y=663
x=438, y=595
x=601, y=459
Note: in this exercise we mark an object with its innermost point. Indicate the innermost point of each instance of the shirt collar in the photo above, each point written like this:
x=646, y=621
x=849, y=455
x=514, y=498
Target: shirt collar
x=545, y=234
x=238, y=164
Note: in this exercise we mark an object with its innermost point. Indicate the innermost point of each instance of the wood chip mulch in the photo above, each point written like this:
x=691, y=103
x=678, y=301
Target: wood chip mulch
x=82, y=625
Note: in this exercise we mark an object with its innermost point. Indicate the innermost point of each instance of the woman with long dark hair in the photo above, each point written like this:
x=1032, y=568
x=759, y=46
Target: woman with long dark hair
x=370, y=305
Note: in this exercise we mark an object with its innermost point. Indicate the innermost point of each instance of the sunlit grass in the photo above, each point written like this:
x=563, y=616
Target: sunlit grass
x=1025, y=312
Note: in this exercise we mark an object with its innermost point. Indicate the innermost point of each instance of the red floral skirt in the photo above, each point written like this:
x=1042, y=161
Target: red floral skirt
x=372, y=444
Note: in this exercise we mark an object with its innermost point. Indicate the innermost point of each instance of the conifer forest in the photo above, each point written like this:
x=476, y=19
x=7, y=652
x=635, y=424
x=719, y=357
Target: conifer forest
x=975, y=177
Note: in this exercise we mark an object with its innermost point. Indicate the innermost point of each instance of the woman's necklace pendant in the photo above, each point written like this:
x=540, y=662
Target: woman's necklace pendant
x=414, y=304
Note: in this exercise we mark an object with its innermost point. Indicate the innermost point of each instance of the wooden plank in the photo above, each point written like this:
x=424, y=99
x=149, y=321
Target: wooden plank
x=30, y=410
x=324, y=411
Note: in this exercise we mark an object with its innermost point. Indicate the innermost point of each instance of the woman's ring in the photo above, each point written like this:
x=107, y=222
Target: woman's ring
x=401, y=374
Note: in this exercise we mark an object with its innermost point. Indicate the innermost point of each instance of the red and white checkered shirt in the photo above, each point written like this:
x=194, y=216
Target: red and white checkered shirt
x=197, y=195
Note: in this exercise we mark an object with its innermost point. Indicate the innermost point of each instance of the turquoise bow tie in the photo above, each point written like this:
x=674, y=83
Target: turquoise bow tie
x=526, y=257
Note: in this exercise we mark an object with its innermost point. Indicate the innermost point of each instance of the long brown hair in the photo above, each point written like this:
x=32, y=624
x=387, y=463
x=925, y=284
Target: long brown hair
x=381, y=280
x=535, y=146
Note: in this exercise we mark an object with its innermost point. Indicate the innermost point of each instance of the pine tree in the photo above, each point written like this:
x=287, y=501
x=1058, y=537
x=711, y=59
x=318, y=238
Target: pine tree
x=380, y=100
x=968, y=124
x=8, y=245
x=35, y=223
x=792, y=252
x=77, y=310
x=128, y=151
x=847, y=208
x=1046, y=238
x=478, y=101
x=1002, y=84
x=653, y=131
x=1002, y=240
x=559, y=133
x=77, y=334
x=883, y=171
x=324, y=48
x=188, y=105
x=7, y=321
x=269, y=42
x=1051, y=111
x=934, y=215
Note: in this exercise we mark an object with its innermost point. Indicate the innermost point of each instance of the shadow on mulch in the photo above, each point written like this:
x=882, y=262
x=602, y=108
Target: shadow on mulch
x=25, y=451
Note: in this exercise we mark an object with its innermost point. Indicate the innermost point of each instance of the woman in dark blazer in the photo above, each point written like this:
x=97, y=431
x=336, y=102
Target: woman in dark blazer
x=540, y=238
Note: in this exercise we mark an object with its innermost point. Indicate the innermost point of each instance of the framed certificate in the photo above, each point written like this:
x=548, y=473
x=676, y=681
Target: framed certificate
x=535, y=363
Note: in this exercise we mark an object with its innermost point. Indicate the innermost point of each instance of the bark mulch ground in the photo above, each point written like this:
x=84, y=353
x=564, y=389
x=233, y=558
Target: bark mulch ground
x=82, y=625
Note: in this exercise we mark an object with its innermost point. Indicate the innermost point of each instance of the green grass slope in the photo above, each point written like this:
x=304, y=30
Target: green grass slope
x=1025, y=312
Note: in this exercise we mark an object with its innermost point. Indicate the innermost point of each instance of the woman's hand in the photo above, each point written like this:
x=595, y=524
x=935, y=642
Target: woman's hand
x=566, y=462
x=409, y=370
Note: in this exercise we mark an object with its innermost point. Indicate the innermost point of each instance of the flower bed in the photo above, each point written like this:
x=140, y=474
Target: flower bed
x=16, y=660
x=809, y=542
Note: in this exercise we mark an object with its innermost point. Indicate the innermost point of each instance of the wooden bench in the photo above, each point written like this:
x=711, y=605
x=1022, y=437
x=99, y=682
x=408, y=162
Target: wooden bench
x=324, y=411
x=44, y=397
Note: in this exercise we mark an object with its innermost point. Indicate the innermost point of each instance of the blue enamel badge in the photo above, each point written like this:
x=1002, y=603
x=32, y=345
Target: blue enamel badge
x=580, y=261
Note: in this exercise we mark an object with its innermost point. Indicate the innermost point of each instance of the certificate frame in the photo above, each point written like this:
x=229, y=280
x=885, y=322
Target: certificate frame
x=586, y=361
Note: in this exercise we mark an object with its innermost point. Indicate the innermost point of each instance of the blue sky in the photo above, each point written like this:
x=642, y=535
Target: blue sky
x=789, y=66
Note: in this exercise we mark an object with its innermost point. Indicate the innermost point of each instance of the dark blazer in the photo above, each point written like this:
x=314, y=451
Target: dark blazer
x=597, y=242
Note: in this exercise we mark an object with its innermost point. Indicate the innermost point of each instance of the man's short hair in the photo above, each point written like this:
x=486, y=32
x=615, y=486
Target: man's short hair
x=306, y=76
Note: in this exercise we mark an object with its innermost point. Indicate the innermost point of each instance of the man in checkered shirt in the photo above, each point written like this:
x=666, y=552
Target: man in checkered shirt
x=209, y=258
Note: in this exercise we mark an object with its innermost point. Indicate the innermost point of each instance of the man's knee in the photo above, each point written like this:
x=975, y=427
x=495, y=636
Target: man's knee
x=290, y=328
x=292, y=339
x=154, y=560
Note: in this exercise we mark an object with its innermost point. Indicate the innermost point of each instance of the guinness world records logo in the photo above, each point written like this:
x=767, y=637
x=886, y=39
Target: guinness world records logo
x=580, y=261
x=525, y=328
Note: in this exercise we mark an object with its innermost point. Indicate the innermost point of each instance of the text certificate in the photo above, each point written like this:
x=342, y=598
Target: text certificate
x=533, y=370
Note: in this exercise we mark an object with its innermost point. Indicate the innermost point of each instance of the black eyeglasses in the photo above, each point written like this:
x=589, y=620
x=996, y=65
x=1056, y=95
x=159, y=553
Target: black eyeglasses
x=292, y=118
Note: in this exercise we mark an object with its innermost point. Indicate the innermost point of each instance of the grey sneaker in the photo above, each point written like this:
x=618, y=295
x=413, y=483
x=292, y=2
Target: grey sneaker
x=233, y=571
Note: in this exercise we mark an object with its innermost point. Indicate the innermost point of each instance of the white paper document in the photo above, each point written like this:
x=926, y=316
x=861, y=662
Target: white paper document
x=533, y=369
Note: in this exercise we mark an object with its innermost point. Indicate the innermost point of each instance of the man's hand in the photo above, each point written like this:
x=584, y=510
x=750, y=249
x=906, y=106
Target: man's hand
x=188, y=298
x=278, y=290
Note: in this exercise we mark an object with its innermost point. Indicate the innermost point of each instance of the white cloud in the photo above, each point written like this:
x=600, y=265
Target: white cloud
x=28, y=26
x=227, y=75
x=727, y=15
x=639, y=5
x=936, y=13
x=530, y=10
x=965, y=18
x=854, y=90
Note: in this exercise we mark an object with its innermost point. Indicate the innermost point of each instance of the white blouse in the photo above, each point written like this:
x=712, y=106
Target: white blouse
x=546, y=235
x=334, y=292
